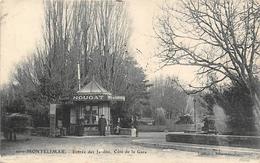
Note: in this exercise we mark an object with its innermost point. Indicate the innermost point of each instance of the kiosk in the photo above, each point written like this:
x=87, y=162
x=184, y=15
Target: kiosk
x=80, y=116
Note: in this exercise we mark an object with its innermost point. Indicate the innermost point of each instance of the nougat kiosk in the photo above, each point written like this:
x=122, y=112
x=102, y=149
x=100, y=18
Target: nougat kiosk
x=79, y=114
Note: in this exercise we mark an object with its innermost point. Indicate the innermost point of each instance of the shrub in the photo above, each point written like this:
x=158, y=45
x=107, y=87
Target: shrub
x=237, y=105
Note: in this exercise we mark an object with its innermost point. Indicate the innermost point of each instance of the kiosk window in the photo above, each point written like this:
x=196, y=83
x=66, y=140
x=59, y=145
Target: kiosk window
x=91, y=115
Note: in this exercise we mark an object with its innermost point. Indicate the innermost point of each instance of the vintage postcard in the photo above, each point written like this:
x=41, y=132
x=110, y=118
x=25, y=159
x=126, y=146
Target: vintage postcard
x=173, y=81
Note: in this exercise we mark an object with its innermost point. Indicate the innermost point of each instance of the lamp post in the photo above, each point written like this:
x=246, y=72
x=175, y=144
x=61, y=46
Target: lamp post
x=194, y=110
x=78, y=74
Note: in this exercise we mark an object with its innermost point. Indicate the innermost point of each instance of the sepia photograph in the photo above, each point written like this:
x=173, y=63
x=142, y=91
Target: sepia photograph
x=130, y=81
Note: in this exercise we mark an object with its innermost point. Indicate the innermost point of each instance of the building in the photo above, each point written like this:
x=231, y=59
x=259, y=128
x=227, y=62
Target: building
x=79, y=114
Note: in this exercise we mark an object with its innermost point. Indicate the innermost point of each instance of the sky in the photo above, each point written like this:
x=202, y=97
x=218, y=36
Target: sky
x=21, y=31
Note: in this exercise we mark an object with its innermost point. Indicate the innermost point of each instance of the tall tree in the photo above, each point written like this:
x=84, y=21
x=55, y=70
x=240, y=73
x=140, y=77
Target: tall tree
x=92, y=33
x=220, y=37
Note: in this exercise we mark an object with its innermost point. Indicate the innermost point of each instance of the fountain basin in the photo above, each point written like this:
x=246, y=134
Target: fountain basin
x=211, y=139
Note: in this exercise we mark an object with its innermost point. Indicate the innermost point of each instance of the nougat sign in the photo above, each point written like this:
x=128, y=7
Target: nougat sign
x=90, y=97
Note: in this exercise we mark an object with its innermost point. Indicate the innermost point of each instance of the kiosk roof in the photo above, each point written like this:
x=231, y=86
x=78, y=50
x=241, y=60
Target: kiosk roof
x=93, y=88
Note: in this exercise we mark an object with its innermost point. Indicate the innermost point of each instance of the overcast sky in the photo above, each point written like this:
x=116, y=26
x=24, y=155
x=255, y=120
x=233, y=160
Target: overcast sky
x=21, y=30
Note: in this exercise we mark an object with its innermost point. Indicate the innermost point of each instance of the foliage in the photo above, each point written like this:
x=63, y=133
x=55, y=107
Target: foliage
x=166, y=94
x=220, y=38
x=238, y=106
x=17, y=105
x=95, y=35
x=185, y=119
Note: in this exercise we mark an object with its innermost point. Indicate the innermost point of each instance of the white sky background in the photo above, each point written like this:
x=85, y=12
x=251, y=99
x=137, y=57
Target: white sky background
x=21, y=30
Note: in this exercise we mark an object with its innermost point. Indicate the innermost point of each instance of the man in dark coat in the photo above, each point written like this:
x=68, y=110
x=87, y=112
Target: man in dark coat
x=135, y=125
x=102, y=123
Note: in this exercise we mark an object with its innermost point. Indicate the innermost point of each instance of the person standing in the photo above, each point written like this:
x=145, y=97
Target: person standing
x=135, y=125
x=117, y=128
x=102, y=123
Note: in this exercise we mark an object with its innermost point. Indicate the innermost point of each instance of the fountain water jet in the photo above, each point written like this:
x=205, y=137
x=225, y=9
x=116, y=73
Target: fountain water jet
x=189, y=109
x=220, y=119
x=220, y=124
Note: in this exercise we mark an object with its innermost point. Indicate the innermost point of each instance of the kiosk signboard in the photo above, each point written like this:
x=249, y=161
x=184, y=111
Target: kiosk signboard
x=94, y=97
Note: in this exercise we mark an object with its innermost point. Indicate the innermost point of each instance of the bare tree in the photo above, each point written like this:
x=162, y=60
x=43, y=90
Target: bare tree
x=99, y=36
x=220, y=37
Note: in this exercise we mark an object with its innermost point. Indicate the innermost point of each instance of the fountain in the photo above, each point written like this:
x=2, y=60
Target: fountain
x=220, y=119
x=215, y=133
x=187, y=118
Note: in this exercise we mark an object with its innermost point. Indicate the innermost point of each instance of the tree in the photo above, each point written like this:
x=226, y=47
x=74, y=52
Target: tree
x=92, y=33
x=220, y=37
x=236, y=105
x=167, y=95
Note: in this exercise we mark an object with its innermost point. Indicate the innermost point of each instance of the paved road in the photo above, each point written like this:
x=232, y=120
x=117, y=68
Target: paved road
x=102, y=149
